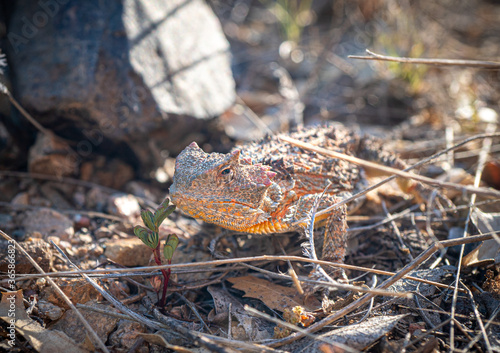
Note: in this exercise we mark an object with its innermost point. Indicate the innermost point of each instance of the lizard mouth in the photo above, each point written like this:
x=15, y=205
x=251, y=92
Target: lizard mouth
x=228, y=214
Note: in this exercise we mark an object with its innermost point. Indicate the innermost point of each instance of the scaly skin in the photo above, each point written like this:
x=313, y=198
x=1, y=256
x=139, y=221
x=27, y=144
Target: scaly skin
x=266, y=186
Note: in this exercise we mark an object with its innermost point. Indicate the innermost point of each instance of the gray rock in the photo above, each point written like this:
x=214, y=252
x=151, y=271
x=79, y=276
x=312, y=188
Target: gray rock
x=110, y=75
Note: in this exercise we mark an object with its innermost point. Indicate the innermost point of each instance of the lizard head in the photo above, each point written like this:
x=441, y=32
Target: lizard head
x=223, y=189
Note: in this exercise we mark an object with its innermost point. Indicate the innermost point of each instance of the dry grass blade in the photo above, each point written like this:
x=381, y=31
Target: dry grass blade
x=441, y=62
x=85, y=323
x=477, y=179
x=478, y=319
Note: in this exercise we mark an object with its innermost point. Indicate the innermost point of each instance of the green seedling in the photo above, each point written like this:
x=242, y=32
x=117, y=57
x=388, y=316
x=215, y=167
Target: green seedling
x=150, y=236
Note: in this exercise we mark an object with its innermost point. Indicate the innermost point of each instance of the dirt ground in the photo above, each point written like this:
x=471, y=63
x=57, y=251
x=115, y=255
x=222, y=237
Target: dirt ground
x=232, y=291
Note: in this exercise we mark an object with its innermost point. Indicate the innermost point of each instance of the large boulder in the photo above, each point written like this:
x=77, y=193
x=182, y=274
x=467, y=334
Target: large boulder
x=129, y=77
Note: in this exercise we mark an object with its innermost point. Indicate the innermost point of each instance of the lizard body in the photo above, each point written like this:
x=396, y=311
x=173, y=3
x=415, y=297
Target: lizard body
x=266, y=186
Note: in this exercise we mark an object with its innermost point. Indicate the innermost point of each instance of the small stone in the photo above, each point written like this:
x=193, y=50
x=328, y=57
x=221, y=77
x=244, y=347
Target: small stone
x=103, y=232
x=123, y=205
x=48, y=222
x=96, y=199
x=49, y=310
x=38, y=249
x=112, y=173
x=81, y=221
x=22, y=198
x=130, y=252
x=102, y=324
x=47, y=156
x=77, y=289
x=126, y=334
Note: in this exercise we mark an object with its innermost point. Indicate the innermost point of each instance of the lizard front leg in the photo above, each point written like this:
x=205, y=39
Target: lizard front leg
x=334, y=231
x=335, y=241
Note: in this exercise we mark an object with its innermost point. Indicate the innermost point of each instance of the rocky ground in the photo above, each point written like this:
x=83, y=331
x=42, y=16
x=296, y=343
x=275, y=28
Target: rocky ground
x=67, y=204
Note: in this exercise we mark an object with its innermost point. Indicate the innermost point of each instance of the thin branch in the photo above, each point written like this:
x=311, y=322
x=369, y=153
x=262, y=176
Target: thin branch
x=115, y=302
x=441, y=244
x=440, y=62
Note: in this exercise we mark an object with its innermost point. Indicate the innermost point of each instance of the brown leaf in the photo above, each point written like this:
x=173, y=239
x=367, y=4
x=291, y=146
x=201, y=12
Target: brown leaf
x=274, y=296
x=489, y=251
x=491, y=174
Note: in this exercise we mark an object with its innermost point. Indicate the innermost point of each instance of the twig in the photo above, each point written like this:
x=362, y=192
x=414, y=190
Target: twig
x=443, y=243
x=36, y=124
x=115, y=302
x=487, y=326
x=71, y=181
x=195, y=311
x=65, y=211
x=390, y=170
x=441, y=62
x=478, y=319
x=85, y=323
x=394, y=226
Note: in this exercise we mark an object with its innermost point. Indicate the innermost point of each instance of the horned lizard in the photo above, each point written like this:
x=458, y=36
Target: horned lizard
x=266, y=186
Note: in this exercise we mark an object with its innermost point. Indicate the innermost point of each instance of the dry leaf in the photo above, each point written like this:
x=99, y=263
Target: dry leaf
x=489, y=251
x=274, y=296
x=42, y=340
x=491, y=174
x=356, y=336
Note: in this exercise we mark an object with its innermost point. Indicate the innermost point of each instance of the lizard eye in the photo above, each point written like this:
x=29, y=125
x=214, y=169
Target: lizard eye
x=226, y=174
x=226, y=171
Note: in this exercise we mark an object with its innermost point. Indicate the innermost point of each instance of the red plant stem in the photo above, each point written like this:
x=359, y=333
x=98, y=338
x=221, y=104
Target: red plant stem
x=165, y=273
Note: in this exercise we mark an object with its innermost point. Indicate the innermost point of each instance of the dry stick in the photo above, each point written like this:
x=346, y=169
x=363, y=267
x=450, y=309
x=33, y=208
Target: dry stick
x=389, y=170
x=422, y=162
x=85, y=323
x=478, y=318
x=443, y=62
x=364, y=299
x=202, y=339
x=115, y=302
x=71, y=181
x=477, y=179
x=487, y=326
x=460, y=241
x=36, y=124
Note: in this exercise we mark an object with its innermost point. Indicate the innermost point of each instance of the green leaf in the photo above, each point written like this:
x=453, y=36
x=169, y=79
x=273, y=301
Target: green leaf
x=163, y=212
x=147, y=218
x=147, y=236
x=153, y=240
x=170, y=246
x=142, y=233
